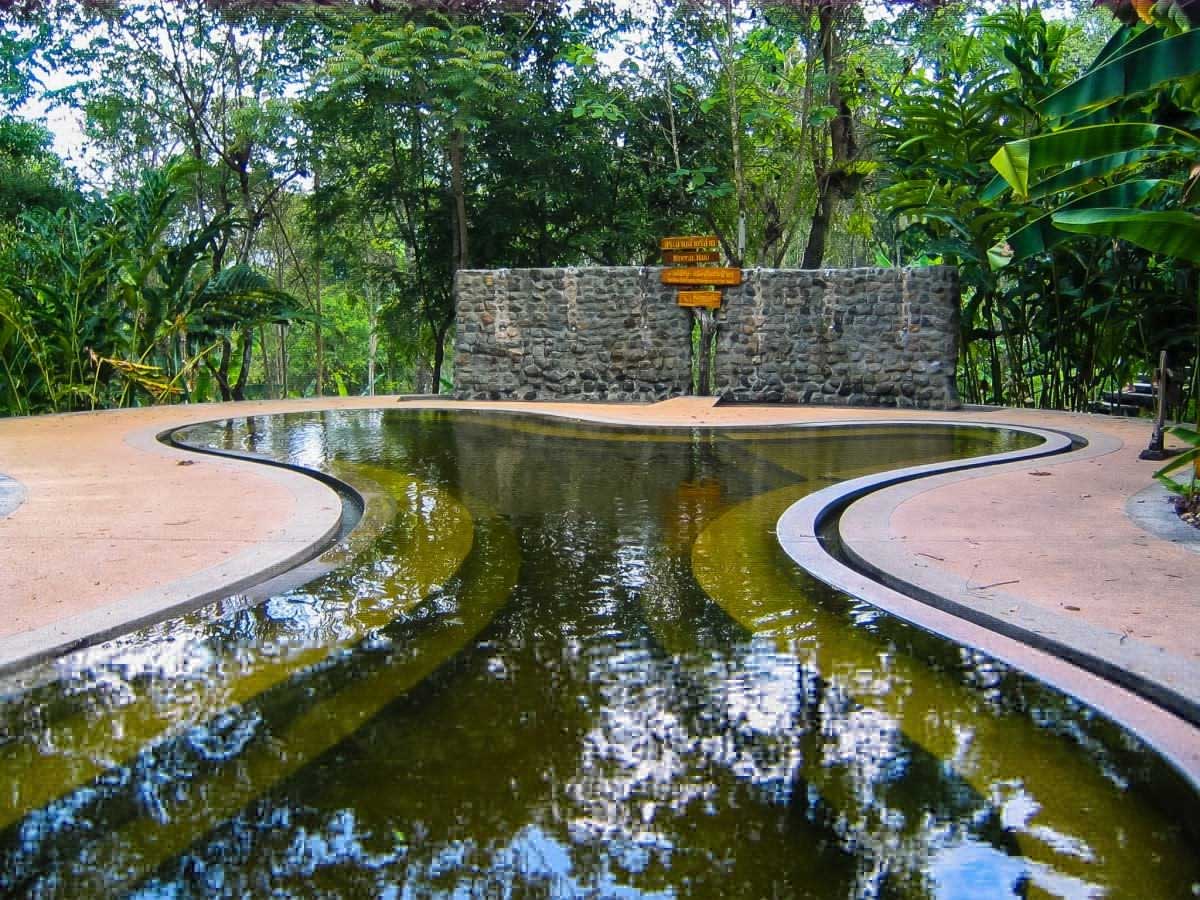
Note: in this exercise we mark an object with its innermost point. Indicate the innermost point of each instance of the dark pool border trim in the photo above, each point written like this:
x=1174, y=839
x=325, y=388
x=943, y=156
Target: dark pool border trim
x=799, y=532
x=353, y=503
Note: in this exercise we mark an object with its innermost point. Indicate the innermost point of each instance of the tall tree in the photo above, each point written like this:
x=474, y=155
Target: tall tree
x=422, y=85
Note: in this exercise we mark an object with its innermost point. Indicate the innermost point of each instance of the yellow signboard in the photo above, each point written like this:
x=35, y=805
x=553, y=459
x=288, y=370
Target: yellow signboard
x=690, y=242
x=705, y=299
x=703, y=275
x=677, y=257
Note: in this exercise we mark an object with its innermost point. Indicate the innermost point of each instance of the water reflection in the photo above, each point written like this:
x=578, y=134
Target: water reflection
x=577, y=663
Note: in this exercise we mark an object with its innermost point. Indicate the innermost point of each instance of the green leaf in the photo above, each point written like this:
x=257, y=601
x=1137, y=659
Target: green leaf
x=1097, y=168
x=1041, y=235
x=1183, y=460
x=823, y=114
x=1132, y=72
x=1012, y=162
x=1017, y=160
x=1189, y=436
x=1126, y=38
x=994, y=189
x=999, y=256
x=1170, y=233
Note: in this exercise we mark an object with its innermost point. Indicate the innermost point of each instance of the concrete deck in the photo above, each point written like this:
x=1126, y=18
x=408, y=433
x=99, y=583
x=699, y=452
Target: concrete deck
x=102, y=529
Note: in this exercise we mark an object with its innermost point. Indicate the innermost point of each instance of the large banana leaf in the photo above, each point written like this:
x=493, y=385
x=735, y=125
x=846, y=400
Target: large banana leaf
x=1017, y=160
x=1125, y=39
x=1131, y=71
x=1172, y=233
x=1078, y=175
x=1042, y=234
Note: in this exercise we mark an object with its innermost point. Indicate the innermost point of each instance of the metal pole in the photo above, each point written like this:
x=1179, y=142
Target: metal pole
x=1156, y=450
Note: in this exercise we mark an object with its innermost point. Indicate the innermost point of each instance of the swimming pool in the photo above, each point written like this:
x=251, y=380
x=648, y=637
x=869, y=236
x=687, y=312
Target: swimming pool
x=570, y=660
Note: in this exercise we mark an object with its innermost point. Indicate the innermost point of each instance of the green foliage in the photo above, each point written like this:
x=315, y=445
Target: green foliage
x=1116, y=159
x=100, y=302
x=1144, y=63
x=1189, y=458
x=1135, y=63
x=1172, y=233
x=1049, y=316
x=31, y=175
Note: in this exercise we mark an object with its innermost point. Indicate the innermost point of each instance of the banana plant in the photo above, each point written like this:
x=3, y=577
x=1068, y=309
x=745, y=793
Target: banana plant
x=1105, y=140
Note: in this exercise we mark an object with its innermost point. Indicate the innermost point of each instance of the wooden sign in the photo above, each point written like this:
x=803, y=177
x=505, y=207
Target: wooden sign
x=677, y=257
x=703, y=275
x=691, y=242
x=704, y=299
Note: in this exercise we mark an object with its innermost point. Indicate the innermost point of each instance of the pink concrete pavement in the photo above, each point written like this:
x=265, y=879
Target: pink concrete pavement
x=114, y=531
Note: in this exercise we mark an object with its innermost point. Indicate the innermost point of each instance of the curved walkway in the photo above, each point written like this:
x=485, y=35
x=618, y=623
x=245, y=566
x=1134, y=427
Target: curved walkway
x=110, y=529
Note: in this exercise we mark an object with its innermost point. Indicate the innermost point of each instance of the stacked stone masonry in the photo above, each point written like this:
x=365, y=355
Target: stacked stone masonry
x=874, y=337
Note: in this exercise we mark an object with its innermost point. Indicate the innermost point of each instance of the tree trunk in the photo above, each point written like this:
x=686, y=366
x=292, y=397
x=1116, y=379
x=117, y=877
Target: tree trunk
x=268, y=361
x=439, y=356
x=318, y=335
x=814, y=251
x=221, y=372
x=247, y=352
x=833, y=180
x=462, y=247
x=372, y=340
x=189, y=380
x=283, y=363
x=735, y=133
x=707, y=333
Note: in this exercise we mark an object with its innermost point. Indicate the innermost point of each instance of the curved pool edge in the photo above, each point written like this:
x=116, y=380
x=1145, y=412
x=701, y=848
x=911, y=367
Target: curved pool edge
x=1167, y=719
x=303, y=538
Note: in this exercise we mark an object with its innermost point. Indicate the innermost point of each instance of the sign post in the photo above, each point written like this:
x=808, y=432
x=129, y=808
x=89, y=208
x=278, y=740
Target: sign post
x=688, y=250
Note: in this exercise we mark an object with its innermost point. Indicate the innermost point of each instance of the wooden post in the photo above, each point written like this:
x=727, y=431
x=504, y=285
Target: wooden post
x=707, y=330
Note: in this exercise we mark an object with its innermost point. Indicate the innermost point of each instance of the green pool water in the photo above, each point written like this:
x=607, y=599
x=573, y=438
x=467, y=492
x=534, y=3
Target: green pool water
x=566, y=660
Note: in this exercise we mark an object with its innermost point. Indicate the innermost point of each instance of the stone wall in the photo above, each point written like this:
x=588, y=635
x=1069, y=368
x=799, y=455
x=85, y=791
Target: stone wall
x=849, y=336
x=570, y=334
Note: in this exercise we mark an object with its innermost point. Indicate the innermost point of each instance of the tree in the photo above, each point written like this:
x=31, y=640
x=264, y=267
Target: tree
x=31, y=174
x=422, y=84
x=104, y=305
x=156, y=80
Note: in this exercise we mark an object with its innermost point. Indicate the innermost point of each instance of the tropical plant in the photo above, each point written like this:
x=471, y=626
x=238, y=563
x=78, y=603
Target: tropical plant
x=1189, y=490
x=979, y=89
x=1120, y=160
x=106, y=305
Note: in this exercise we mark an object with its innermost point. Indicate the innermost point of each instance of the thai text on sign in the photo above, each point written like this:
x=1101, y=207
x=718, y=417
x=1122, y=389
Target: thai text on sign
x=680, y=257
x=704, y=275
x=689, y=242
